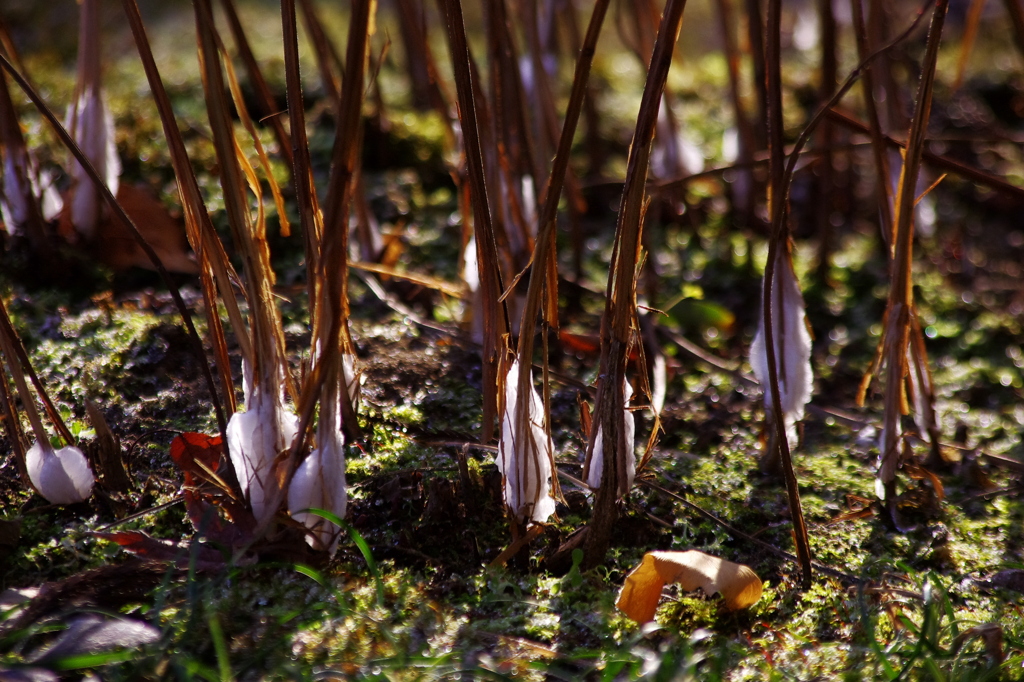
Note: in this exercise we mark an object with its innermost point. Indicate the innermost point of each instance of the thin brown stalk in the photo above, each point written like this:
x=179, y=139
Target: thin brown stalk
x=266, y=359
x=877, y=138
x=412, y=14
x=9, y=343
x=779, y=239
x=310, y=217
x=19, y=355
x=544, y=249
x=618, y=322
x=9, y=49
x=412, y=25
x=119, y=214
x=516, y=160
x=495, y=322
x=235, y=89
x=18, y=361
x=826, y=183
x=216, y=272
x=967, y=42
x=12, y=425
x=747, y=137
x=340, y=189
x=755, y=32
x=266, y=97
x=937, y=161
x=327, y=57
x=592, y=126
x=900, y=305
x=1015, y=8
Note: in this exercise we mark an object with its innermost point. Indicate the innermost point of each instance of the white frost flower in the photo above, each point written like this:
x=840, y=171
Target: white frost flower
x=792, y=342
x=13, y=200
x=597, y=459
x=524, y=455
x=61, y=476
x=320, y=479
x=93, y=127
x=255, y=438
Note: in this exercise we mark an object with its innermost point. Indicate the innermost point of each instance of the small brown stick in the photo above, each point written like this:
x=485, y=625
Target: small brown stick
x=779, y=237
x=259, y=83
x=900, y=307
x=327, y=57
x=12, y=423
x=744, y=129
x=735, y=532
x=877, y=138
x=214, y=268
x=755, y=32
x=619, y=319
x=937, y=160
x=302, y=172
x=1015, y=8
x=544, y=249
x=496, y=322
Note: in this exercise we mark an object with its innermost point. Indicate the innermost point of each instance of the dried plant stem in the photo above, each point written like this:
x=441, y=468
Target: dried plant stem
x=12, y=425
x=326, y=56
x=747, y=137
x=1015, y=8
x=17, y=363
x=779, y=239
x=310, y=217
x=826, y=179
x=755, y=31
x=900, y=307
x=267, y=353
x=215, y=270
x=543, y=254
x=618, y=321
x=259, y=83
x=877, y=138
x=937, y=161
x=918, y=356
x=495, y=322
x=332, y=260
x=967, y=42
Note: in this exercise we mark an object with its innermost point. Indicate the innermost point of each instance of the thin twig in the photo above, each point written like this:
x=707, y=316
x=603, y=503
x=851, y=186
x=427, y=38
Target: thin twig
x=735, y=532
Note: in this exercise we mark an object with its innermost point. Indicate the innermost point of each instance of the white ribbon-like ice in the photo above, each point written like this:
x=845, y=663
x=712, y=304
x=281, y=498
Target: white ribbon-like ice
x=61, y=476
x=524, y=455
x=792, y=342
x=597, y=459
x=255, y=438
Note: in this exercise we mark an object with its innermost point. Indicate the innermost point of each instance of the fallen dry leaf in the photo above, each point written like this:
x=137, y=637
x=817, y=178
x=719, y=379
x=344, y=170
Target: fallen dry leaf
x=114, y=244
x=738, y=584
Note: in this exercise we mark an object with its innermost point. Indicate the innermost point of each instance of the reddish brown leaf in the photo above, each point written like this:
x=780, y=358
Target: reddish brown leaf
x=190, y=450
x=142, y=545
x=199, y=457
x=115, y=245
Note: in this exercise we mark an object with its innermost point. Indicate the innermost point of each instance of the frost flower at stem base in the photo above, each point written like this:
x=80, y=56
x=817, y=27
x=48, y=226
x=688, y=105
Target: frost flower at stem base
x=255, y=438
x=524, y=454
x=319, y=482
x=792, y=342
x=61, y=476
x=597, y=459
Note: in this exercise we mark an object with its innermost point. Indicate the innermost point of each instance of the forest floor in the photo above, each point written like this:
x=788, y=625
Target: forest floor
x=419, y=599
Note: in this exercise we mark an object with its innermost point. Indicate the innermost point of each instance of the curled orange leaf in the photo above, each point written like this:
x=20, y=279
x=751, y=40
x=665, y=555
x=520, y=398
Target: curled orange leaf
x=737, y=583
